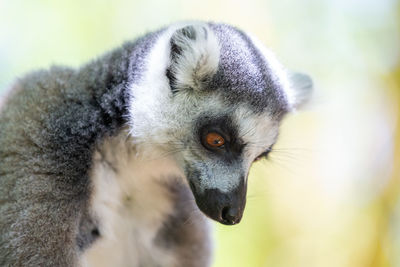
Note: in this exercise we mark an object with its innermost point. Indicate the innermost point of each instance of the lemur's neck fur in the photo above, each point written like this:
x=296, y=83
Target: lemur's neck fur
x=136, y=201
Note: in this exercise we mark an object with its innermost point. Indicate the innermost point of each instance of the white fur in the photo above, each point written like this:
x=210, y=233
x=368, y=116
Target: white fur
x=130, y=204
x=199, y=57
x=149, y=96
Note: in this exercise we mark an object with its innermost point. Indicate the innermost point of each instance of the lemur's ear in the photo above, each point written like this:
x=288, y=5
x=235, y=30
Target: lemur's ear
x=194, y=57
x=301, y=89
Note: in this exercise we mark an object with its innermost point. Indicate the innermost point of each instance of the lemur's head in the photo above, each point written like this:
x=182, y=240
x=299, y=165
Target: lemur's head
x=213, y=97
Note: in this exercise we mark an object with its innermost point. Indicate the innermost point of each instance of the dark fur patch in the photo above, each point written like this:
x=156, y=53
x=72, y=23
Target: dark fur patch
x=88, y=232
x=223, y=124
x=184, y=231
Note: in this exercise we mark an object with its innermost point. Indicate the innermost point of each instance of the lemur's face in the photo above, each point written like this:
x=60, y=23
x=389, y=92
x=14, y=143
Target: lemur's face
x=213, y=98
x=217, y=146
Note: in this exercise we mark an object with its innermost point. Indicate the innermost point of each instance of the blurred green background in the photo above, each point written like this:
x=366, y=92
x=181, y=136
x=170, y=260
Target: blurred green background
x=329, y=194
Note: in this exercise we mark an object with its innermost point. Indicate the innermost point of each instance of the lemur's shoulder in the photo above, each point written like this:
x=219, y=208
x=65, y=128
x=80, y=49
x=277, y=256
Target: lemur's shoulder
x=25, y=110
x=27, y=89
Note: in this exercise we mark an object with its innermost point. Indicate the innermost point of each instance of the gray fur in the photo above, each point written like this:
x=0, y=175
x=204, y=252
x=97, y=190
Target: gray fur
x=260, y=88
x=54, y=120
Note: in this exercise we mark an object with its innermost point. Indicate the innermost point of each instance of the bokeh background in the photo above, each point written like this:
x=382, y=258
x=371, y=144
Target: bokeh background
x=329, y=194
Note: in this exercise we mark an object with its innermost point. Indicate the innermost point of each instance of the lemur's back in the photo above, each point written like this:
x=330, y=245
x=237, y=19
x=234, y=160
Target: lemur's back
x=116, y=163
x=33, y=198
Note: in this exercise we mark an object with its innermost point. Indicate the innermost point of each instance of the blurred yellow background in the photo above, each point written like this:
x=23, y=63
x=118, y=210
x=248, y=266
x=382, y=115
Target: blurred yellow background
x=329, y=194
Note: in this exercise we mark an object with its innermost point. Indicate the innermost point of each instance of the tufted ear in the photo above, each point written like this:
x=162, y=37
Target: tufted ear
x=301, y=89
x=194, y=56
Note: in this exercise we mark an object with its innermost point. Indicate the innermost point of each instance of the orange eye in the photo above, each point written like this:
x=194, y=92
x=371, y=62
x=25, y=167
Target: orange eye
x=215, y=140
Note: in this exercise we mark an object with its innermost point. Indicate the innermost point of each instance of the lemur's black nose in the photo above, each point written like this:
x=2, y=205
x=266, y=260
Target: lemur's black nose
x=230, y=215
x=224, y=207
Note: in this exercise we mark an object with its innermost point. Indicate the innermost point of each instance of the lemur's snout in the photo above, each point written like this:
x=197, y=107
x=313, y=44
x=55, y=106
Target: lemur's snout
x=224, y=207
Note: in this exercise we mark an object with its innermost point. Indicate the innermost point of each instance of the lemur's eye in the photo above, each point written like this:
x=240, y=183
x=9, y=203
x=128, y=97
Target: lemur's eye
x=214, y=140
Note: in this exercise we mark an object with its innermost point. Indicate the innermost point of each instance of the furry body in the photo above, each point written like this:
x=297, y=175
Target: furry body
x=148, y=215
x=99, y=159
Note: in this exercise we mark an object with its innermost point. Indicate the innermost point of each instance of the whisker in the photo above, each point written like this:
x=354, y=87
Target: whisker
x=287, y=157
x=280, y=165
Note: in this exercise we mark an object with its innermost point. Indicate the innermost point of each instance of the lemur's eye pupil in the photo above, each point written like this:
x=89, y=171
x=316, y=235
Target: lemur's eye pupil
x=215, y=140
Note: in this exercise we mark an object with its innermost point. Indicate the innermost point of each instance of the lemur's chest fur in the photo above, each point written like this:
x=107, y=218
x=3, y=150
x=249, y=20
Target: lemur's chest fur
x=131, y=203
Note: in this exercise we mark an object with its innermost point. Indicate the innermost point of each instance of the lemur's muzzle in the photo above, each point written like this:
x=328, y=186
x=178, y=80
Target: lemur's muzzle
x=226, y=208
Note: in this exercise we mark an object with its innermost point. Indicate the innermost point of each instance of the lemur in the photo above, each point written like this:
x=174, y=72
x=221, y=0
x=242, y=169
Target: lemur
x=119, y=162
